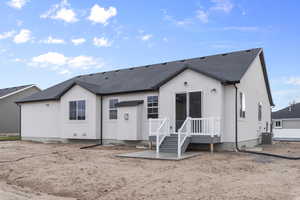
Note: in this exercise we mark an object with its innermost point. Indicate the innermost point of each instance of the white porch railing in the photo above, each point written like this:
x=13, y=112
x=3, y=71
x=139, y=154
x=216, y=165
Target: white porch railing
x=198, y=126
x=191, y=126
x=183, y=133
x=205, y=126
x=159, y=128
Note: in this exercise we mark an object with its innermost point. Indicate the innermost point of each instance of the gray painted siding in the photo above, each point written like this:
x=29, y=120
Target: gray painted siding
x=9, y=111
x=291, y=124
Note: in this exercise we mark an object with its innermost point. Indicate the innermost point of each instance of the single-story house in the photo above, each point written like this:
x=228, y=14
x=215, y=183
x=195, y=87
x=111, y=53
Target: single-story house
x=9, y=110
x=185, y=101
x=286, y=123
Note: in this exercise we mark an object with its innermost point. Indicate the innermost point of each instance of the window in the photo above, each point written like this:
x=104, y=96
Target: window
x=113, y=111
x=77, y=110
x=242, y=105
x=259, y=111
x=278, y=124
x=152, y=103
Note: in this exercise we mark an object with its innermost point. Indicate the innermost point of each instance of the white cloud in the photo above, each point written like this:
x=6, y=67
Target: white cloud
x=67, y=15
x=23, y=36
x=51, y=40
x=17, y=4
x=61, y=11
x=101, y=15
x=222, y=5
x=6, y=35
x=50, y=58
x=165, y=39
x=241, y=28
x=292, y=81
x=82, y=62
x=63, y=64
x=171, y=19
x=101, y=42
x=202, y=16
x=78, y=41
x=64, y=71
x=146, y=37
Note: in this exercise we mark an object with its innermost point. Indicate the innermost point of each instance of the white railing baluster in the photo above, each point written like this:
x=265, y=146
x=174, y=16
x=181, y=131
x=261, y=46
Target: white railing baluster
x=159, y=128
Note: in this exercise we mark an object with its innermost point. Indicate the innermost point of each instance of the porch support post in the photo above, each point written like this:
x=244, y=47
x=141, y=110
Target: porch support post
x=211, y=147
x=150, y=145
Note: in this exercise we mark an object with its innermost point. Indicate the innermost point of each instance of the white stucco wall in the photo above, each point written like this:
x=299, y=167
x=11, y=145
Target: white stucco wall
x=41, y=119
x=80, y=129
x=131, y=128
x=253, y=86
x=111, y=127
x=212, y=103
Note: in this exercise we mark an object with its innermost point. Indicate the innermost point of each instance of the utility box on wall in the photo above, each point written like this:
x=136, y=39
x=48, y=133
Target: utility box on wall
x=130, y=121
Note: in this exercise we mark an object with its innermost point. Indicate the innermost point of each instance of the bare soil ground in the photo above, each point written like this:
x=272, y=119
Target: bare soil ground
x=63, y=171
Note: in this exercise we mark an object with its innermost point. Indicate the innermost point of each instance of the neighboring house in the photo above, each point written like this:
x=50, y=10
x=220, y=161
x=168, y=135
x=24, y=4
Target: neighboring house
x=195, y=97
x=286, y=123
x=9, y=110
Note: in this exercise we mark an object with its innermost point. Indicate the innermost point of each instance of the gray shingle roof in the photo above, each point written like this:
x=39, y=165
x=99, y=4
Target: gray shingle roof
x=285, y=113
x=227, y=67
x=7, y=91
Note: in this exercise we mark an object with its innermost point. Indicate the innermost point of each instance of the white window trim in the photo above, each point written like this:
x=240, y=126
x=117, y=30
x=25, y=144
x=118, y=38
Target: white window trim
x=277, y=127
x=242, y=105
x=85, y=113
x=110, y=109
x=153, y=106
x=261, y=111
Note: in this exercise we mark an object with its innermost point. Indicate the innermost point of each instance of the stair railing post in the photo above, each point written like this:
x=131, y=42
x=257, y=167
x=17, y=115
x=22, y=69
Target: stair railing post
x=178, y=145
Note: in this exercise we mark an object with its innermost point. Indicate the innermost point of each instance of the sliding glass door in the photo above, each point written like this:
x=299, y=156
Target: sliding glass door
x=187, y=104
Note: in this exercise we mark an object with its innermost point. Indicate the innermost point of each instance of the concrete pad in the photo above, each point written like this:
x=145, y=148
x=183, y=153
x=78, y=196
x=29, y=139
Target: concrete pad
x=161, y=156
x=287, y=139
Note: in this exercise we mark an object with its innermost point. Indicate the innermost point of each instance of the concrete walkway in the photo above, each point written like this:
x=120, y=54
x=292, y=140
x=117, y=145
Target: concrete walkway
x=161, y=156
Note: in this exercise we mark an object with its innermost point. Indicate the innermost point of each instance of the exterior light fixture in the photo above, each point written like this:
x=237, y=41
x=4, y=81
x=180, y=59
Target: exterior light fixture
x=213, y=91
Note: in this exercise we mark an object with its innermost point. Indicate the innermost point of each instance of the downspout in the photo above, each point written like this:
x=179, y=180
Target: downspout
x=236, y=135
x=101, y=128
x=20, y=121
x=101, y=121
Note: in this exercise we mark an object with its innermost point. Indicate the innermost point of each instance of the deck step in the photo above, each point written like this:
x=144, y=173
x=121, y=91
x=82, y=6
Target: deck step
x=170, y=144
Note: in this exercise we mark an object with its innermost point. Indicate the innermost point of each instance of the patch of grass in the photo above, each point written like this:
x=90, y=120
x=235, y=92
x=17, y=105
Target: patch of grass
x=9, y=138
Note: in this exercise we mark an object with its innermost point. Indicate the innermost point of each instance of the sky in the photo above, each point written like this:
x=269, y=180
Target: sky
x=47, y=42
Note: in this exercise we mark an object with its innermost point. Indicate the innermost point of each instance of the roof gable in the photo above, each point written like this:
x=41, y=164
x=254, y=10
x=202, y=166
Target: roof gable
x=5, y=92
x=228, y=67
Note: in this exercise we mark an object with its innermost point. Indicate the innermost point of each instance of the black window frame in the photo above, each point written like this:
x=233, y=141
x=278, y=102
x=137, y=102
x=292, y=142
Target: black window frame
x=280, y=123
x=113, y=109
x=77, y=110
x=152, y=107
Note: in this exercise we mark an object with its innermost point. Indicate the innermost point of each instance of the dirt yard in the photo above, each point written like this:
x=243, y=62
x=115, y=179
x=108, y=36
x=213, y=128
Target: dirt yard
x=60, y=171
